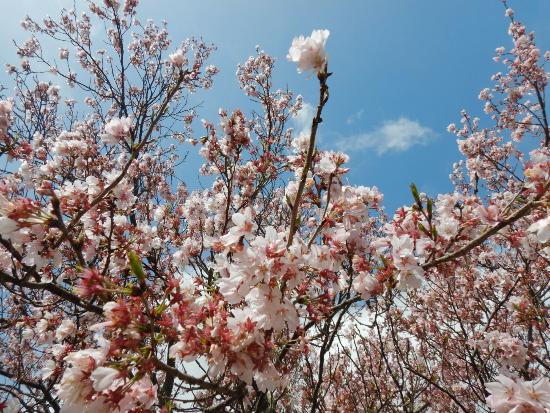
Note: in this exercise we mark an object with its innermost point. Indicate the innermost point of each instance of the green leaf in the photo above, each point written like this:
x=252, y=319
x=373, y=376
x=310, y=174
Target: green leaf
x=429, y=207
x=135, y=265
x=416, y=196
x=160, y=309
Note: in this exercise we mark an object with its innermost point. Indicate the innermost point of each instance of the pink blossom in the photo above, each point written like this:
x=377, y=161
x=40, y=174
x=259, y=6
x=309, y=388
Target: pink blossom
x=65, y=329
x=410, y=273
x=535, y=393
x=502, y=394
x=7, y=225
x=309, y=52
x=178, y=58
x=244, y=227
x=103, y=377
x=142, y=394
x=63, y=53
x=270, y=311
x=117, y=129
x=366, y=285
x=507, y=395
x=5, y=117
x=542, y=229
x=112, y=266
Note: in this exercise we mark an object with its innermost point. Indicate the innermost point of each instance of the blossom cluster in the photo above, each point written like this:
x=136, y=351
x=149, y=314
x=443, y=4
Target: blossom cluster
x=508, y=395
x=121, y=290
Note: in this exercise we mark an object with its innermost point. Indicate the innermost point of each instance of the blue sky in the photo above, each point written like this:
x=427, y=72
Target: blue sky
x=402, y=68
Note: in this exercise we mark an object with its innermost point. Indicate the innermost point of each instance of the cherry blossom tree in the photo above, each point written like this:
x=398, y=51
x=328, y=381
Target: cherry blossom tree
x=279, y=287
x=472, y=334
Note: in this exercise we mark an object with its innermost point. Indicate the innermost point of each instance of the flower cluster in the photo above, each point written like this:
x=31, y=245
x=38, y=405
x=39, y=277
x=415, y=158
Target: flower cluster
x=508, y=395
x=122, y=290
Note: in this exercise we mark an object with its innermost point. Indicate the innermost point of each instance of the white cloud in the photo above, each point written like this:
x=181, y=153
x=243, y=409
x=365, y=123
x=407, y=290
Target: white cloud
x=354, y=117
x=394, y=135
x=302, y=121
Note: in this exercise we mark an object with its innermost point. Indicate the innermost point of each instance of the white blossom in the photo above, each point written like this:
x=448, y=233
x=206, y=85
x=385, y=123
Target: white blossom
x=542, y=229
x=309, y=52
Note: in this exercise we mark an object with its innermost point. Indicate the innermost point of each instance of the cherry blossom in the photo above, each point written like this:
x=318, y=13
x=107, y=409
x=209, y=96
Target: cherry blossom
x=542, y=229
x=309, y=52
x=178, y=58
x=117, y=129
x=103, y=378
x=507, y=395
x=276, y=285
